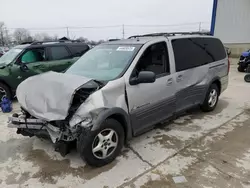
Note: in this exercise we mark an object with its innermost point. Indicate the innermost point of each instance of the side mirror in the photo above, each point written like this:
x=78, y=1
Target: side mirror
x=23, y=67
x=143, y=77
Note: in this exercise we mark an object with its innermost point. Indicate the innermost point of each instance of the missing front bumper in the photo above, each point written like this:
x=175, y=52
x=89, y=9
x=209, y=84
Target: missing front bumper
x=32, y=126
x=36, y=127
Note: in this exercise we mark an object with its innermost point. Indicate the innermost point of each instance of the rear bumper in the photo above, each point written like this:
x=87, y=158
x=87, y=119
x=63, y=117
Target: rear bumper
x=224, y=83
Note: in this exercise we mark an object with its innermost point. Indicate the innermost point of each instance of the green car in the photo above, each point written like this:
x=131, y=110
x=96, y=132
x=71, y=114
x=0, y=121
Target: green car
x=28, y=60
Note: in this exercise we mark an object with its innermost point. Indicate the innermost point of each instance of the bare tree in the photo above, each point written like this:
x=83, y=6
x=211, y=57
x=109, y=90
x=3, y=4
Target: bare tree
x=82, y=39
x=22, y=35
x=44, y=37
x=3, y=34
x=55, y=38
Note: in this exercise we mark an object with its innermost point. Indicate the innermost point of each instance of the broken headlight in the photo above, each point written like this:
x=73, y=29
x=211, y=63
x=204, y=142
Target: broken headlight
x=84, y=121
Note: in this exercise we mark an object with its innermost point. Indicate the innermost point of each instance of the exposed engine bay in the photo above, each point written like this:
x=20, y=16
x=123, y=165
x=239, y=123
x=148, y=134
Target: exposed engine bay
x=59, y=131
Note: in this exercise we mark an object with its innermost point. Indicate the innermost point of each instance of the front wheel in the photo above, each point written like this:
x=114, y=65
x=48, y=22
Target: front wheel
x=102, y=146
x=4, y=91
x=211, y=99
x=247, y=78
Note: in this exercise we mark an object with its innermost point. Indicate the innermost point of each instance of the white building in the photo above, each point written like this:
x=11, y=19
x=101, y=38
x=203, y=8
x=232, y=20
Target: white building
x=231, y=23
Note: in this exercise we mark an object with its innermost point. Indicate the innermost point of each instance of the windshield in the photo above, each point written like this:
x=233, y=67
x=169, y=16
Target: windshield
x=9, y=56
x=104, y=62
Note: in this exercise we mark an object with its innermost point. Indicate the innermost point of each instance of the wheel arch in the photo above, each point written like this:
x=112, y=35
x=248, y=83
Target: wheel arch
x=119, y=115
x=216, y=81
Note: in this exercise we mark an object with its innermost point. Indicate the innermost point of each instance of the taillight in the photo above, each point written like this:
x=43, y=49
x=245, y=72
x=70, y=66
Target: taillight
x=228, y=68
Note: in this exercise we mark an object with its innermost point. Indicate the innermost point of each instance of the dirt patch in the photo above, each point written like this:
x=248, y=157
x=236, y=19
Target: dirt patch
x=166, y=141
x=12, y=179
x=13, y=147
x=124, y=153
x=185, y=120
x=51, y=168
x=196, y=113
x=162, y=183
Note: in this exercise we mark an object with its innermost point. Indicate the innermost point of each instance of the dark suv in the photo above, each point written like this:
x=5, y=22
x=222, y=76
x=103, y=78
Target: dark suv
x=27, y=60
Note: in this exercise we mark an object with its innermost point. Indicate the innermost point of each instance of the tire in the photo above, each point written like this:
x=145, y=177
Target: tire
x=87, y=143
x=5, y=91
x=247, y=78
x=248, y=68
x=209, y=105
x=241, y=69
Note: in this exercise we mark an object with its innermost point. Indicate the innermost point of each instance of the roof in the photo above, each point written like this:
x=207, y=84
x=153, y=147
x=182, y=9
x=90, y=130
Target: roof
x=142, y=39
x=133, y=41
x=22, y=46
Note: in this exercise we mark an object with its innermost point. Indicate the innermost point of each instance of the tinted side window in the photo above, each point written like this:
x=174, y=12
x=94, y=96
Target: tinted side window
x=78, y=50
x=59, y=52
x=215, y=48
x=155, y=59
x=194, y=52
x=189, y=53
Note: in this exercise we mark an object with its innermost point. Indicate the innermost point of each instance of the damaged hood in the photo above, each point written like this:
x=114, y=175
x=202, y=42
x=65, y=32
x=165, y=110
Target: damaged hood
x=48, y=96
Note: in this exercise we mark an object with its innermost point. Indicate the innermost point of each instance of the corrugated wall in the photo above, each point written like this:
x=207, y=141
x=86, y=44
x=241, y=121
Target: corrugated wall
x=232, y=23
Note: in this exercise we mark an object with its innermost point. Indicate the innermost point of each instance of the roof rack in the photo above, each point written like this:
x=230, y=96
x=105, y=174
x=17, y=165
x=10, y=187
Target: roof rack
x=110, y=40
x=26, y=43
x=53, y=41
x=170, y=34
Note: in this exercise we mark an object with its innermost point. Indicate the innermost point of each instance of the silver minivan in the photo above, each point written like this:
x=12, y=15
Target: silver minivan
x=121, y=89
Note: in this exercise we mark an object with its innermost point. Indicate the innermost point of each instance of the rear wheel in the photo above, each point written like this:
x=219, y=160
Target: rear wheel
x=4, y=91
x=247, y=78
x=211, y=99
x=241, y=69
x=102, y=146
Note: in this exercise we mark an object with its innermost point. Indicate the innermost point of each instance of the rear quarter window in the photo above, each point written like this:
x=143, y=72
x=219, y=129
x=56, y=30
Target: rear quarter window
x=194, y=52
x=59, y=53
x=78, y=50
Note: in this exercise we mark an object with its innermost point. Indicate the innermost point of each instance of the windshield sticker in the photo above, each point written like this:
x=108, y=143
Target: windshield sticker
x=126, y=48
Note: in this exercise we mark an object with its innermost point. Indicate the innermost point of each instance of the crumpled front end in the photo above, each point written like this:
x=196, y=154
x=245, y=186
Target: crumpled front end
x=61, y=107
x=48, y=101
x=57, y=131
x=49, y=96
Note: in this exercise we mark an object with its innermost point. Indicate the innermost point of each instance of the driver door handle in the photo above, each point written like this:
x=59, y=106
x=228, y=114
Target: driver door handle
x=179, y=78
x=169, y=81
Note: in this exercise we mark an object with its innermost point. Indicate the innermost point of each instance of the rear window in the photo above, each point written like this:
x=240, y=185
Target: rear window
x=194, y=52
x=78, y=50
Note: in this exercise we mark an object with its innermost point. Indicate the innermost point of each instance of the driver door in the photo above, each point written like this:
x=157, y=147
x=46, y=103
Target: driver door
x=151, y=103
x=30, y=63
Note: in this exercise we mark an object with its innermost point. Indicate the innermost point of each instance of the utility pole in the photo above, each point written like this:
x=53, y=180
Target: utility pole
x=67, y=28
x=123, y=31
x=200, y=27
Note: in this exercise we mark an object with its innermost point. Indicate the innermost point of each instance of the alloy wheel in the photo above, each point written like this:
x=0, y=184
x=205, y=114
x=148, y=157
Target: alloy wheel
x=105, y=143
x=213, y=97
x=2, y=93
